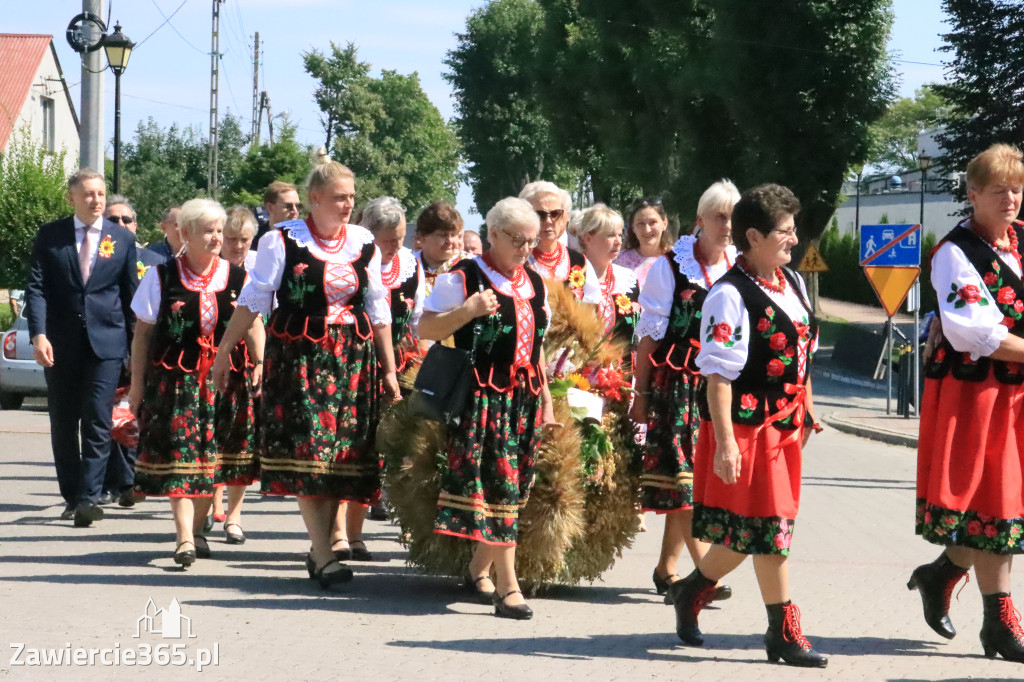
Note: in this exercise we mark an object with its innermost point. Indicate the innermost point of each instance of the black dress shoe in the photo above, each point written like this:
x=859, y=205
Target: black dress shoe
x=231, y=537
x=68, y=513
x=359, y=551
x=202, y=546
x=126, y=498
x=105, y=499
x=333, y=573
x=86, y=513
x=473, y=585
x=185, y=558
x=722, y=592
x=208, y=524
x=517, y=612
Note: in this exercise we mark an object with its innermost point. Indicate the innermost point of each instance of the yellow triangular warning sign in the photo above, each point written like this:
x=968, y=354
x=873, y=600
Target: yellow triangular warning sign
x=891, y=284
x=812, y=261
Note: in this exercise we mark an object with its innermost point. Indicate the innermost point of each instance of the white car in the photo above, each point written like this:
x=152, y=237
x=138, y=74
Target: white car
x=20, y=376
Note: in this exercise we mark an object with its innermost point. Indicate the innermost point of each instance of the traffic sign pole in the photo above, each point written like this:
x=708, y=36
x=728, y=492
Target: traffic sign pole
x=888, y=367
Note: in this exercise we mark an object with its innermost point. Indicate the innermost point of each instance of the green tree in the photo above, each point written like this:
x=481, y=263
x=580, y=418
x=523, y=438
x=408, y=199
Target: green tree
x=393, y=138
x=894, y=136
x=284, y=159
x=33, y=191
x=505, y=133
x=987, y=79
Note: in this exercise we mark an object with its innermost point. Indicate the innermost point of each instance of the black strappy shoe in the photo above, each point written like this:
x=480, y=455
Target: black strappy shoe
x=473, y=585
x=517, y=612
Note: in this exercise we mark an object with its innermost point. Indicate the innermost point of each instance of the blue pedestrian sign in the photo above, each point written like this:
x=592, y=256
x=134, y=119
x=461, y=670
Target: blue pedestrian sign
x=890, y=245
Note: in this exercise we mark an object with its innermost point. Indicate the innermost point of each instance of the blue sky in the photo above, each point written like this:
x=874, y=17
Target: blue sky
x=168, y=76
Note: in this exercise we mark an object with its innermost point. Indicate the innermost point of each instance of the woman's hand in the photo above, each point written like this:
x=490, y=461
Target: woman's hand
x=727, y=461
x=934, y=338
x=221, y=371
x=392, y=392
x=256, y=381
x=638, y=410
x=135, y=399
x=482, y=303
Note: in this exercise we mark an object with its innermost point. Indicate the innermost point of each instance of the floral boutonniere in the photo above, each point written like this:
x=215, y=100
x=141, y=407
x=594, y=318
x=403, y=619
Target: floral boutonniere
x=577, y=278
x=143, y=268
x=106, y=247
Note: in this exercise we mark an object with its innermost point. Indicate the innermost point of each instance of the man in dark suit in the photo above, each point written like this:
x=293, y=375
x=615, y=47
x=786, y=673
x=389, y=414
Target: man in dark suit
x=78, y=305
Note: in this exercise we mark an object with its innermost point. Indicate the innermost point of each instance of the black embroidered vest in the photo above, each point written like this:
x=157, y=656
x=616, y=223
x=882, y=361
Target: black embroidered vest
x=402, y=303
x=772, y=356
x=681, y=343
x=497, y=344
x=176, y=340
x=1007, y=293
x=302, y=306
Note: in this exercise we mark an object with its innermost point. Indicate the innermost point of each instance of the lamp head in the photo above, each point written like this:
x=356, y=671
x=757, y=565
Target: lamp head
x=924, y=160
x=118, y=47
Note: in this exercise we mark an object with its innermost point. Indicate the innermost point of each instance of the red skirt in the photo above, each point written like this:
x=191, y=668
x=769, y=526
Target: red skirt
x=970, y=467
x=756, y=514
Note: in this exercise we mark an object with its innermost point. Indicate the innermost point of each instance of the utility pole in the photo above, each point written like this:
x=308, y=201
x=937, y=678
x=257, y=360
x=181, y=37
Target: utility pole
x=211, y=179
x=90, y=135
x=270, y=117
x=255, y=88
x=264, y=104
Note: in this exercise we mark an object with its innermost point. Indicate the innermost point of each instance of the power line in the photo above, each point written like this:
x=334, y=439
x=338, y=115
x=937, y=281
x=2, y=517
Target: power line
x=168, y=22
x=166, y=19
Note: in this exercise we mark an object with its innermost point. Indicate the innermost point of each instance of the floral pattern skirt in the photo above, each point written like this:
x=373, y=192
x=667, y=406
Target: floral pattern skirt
x=177, y=445
x=236, y=426
x=673, y=423
x=318, y=417
x=970, y=465
x=490, y=466
x=755, y=515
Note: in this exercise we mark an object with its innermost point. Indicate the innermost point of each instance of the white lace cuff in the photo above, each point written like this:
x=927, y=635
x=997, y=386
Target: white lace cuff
x=652, y=325
x=255, y=299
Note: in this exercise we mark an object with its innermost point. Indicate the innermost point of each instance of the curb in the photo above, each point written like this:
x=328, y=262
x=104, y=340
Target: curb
x=836, y=421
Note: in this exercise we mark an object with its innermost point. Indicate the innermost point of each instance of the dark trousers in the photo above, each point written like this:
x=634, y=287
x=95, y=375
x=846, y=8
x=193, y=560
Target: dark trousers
x=80, y=393
x=120, y=468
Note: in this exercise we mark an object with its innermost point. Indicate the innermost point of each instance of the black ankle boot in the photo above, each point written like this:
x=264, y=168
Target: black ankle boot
x=1001, y=631
x=935, y=582
x=689, y=596
x=785, y=640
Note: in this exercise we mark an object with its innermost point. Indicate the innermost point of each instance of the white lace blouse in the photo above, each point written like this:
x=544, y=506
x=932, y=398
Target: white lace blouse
x=724, y=304
x=450, y=289
x=659, y=288
x=408, y=265
x=974, y=328
x=265, y=276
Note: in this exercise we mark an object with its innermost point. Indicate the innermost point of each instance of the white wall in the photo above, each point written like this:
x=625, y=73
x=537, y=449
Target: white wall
x=47, y=84
x=940, y=211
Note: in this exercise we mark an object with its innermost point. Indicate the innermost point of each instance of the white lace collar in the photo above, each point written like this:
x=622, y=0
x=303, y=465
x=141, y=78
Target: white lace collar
x=406, y=265
x=356, y=237
x=503, y=284
x=682, y=254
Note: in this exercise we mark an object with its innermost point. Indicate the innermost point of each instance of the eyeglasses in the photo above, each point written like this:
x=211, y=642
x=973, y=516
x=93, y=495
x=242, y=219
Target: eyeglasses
x=555, y=215
x=123, y=219
x=519, y=241
x=786, y=234
x=291, y=207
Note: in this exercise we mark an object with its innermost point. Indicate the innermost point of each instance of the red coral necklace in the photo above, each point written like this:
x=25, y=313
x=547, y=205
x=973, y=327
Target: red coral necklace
x=1011, y=236
x=194, y=278
x=517, y=279
x=331, y=246
x=779, y=288
x=392, y=277
x=552, y=259
x=608, y=285
x=699, y=257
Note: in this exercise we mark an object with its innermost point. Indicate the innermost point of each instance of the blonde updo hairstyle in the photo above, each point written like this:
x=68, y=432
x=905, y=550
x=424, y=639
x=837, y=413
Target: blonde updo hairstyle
x=600, y=220
x=325, y=171
x=196, y=213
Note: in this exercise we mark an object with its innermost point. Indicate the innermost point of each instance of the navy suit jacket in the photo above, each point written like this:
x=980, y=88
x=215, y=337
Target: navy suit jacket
x=59, y=304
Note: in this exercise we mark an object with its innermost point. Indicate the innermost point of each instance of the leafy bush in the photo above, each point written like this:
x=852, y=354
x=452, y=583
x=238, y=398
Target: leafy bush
x=32, y=193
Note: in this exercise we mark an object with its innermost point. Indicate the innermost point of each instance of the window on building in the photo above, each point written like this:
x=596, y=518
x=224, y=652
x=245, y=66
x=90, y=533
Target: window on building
x=49, y=138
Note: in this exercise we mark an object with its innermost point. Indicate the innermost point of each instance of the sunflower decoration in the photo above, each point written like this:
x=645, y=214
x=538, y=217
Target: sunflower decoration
x=624, y=305
x=143, y=269
x=579, y=381
x=106, y=247
x=577, y=278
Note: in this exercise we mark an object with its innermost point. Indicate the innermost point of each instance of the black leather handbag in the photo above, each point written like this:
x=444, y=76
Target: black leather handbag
x=444, y=383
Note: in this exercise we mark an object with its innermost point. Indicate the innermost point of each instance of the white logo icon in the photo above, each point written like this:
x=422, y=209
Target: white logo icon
x=170, y=625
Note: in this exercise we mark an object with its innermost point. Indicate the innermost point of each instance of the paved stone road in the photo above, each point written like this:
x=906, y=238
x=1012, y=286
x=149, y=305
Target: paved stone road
x=854, y=548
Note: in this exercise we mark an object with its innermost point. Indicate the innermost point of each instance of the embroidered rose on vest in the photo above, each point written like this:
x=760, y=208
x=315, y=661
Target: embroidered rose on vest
x=776, y=367
x=299, y=288
x=177, y=306
x=748, y=403
x=687, y=295
x=777, y=341
x=300, y=269
x=1005, y=296
x=106, y=247
x=764, y=324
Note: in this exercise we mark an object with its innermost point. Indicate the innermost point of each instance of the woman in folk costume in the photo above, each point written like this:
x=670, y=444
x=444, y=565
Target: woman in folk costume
x=489, y=472
x=757, y=336
x=439, y=236
x=402, y=276
x=669, y=387
x=551, y=259
x=600, y=235
x=970, y=465
x=647, y=239
x=325, y=338
x=183, y=307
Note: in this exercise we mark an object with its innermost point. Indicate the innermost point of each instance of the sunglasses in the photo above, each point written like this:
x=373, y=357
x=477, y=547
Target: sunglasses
x=122, y=219
x=647, y=202
x=291, y=207
x=555, y=215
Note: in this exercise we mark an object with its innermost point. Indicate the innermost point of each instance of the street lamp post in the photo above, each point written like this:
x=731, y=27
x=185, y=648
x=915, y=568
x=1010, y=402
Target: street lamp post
x=119, y=49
